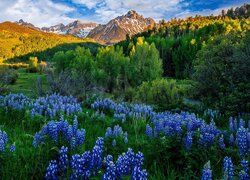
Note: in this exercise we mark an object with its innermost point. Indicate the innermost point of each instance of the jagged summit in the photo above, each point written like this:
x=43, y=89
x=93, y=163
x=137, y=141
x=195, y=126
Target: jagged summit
x=75, y=28
x=114, y=31
x=26, y=24
x=117, y=29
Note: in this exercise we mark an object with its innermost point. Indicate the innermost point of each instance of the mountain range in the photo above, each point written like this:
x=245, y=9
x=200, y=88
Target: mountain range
x=114, y=31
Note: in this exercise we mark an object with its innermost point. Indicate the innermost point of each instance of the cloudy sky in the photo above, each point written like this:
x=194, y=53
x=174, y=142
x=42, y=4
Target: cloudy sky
x=50, y=12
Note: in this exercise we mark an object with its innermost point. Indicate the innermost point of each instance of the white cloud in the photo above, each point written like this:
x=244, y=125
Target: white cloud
x=39, y=12
x=48, y=12
x=108, y=9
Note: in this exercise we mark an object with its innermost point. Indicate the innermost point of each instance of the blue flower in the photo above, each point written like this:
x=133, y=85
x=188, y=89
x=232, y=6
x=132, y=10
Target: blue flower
x=206, y=172
x=244, y=164
x=243, y=175
x=63, y=159
x=13, y=148
x=221, y=143
x=242, y=141
x=149, y=131
x=3, y=140
x=125, y=137
x=73, y=136
x=231, y=125
x=231, y=140
x=51, y=172
x=228, y=168
x=188, y=141
x=114, y=142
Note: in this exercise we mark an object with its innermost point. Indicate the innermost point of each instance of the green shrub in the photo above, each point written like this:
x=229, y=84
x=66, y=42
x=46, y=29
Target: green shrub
x=161, y=92
x=7, y=77
x=33, y=65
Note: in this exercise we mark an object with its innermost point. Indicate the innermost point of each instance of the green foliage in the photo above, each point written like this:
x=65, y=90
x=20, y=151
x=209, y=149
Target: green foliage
x=7, y=77
x=112, y=64
x=222, y=73
x=145, y=63
x=162, y=93
x=179, y=40
x=33, y=65
x=238, y=12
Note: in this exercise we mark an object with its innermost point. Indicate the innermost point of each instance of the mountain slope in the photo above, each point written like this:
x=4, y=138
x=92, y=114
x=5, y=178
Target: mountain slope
x=17, y=40
x=117, y=29
x=76, y=28
x=26, y=24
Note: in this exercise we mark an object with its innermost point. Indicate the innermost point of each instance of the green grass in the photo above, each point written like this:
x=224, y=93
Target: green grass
x=26, y=83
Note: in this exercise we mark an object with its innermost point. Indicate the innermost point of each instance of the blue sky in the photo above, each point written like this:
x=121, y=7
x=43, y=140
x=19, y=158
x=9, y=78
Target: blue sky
x=51, y=12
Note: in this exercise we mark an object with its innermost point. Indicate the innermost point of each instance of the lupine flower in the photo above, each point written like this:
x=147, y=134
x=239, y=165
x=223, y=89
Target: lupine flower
x=51, y=172
x=221, y=143
x=125, y=137
x=149, y=131
x=3, y=140
x=139, y=174
x=75, y=137
x=244, y=164
x=122, y=110
x=235, y=124
x=206, y=172
x=114, y=142
x=13, y=148
x=228, y=168
x=243, y=175
x=242, y=141
x=110, y=173
x=231, y=140
x=89, y=163
x=208, y=134
x=121, y=117
x=15, y=101
x=128, y=163
x=188, y=141
x=51, y=105
x=80, y=165
x=231, y=125
x=109, y=132
x=117, y=132
x=63, y=159
x=242, y=123
x=96, y=160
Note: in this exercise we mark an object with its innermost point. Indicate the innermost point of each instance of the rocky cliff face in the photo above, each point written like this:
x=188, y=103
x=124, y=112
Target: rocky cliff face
x=76, y=28
x=29, y=25
x=117, y=29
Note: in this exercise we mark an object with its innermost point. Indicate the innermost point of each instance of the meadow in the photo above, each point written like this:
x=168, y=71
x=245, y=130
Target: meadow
x=58, y=137
x=168, y=103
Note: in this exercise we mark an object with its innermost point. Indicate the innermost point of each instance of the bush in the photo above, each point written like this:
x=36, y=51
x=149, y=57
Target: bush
x=222, y=74
x=7, y=76
x=161, y=92
x=42, y=66
x=33, y=65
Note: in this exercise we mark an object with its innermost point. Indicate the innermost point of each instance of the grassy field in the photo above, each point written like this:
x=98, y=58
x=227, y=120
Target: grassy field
x=27, y=83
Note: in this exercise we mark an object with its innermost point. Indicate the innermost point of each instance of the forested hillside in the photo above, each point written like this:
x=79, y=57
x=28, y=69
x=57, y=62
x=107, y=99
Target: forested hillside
x=179, y=40
x=16, y=40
